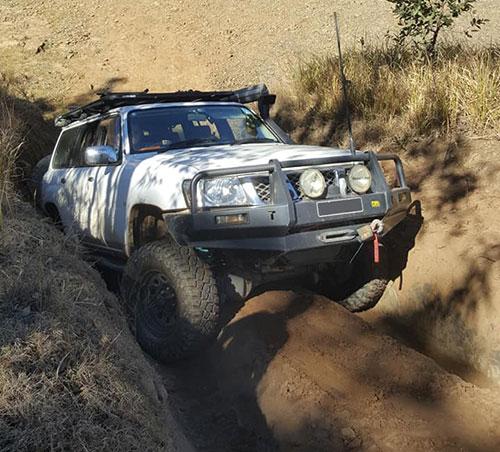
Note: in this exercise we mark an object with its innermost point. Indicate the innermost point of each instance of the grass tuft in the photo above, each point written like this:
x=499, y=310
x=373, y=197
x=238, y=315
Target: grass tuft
x=395, y=93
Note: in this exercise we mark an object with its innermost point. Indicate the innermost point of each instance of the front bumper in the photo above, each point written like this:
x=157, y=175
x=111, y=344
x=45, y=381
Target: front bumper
x=285, y=225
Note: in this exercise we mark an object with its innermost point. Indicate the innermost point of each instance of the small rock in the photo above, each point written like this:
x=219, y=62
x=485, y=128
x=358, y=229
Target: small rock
x=348, y=434
x=355, y=443
x=40, y=48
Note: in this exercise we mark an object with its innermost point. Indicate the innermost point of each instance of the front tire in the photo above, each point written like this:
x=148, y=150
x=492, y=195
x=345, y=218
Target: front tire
x=173, y=294
x=366, y=297
x=363, y=282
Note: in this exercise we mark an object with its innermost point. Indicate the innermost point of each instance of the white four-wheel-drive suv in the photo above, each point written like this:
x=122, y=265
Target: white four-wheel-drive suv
x=192, y=194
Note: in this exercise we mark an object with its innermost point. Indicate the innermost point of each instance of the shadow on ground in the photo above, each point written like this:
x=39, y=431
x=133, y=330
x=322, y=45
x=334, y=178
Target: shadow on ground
x=294, y=371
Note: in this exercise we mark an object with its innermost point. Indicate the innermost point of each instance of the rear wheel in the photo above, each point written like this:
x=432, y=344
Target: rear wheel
x=35, y=182
x=174, y=297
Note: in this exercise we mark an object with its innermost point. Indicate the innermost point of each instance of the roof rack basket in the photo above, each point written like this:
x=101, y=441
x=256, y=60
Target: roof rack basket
x=107, y=101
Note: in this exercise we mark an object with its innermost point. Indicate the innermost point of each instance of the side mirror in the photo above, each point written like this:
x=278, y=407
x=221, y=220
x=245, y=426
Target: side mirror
x=100, y=155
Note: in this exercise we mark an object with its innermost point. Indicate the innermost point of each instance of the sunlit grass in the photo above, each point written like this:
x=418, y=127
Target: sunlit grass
x=403, y=95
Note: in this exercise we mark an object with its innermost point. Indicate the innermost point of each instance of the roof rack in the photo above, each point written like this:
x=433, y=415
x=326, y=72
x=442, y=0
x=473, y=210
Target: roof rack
x=108, y=100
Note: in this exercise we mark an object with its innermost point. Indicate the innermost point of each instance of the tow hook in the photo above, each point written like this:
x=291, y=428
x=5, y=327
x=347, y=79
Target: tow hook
x=372, y=232
x=377, y=226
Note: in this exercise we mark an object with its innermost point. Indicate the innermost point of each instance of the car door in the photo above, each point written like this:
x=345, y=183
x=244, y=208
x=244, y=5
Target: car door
x=101, y=218
x=80, y=182
x=61, y=179
x=74, y=180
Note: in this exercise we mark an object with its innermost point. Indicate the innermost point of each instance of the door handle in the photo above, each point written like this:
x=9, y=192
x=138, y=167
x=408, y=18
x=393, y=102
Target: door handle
x=91, y=179
x=63, y=180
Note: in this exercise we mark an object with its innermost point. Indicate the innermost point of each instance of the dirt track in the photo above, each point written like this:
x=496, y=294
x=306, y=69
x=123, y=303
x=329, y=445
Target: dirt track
x=297, y=372
x=64, y=49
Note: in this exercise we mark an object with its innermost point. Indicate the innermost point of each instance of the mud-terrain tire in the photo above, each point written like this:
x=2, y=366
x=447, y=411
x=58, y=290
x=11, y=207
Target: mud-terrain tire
x=173, y=296
x=366, y=297
x=358, y=286
x=35, y=182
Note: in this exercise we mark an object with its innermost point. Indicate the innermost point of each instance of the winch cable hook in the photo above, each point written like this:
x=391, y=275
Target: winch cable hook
x=377, y=226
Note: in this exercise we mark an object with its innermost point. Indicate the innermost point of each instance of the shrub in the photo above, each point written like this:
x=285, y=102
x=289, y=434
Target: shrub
x=421, y=21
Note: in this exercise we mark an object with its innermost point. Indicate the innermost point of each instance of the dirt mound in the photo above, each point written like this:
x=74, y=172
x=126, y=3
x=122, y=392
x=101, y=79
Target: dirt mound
x=320, y=378
x=71, y=375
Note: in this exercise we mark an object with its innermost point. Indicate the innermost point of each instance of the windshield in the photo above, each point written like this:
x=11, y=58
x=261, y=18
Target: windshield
x=162, y=129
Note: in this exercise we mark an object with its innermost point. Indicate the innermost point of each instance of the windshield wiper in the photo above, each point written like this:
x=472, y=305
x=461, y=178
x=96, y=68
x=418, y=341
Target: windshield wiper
x=254, y=140
x=191, y=142
x=211, y=142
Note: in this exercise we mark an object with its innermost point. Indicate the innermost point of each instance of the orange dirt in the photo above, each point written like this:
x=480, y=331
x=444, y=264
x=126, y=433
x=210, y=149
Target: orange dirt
x=321, y=374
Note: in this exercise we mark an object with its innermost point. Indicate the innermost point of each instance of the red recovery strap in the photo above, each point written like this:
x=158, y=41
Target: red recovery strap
x=376, y=251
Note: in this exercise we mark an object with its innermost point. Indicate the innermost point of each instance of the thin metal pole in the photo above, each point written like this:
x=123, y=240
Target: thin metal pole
x=352, y=146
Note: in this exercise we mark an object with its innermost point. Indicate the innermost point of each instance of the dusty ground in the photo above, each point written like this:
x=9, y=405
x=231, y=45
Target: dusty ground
x=295, y=371
x=447, y=300
x=63, y=48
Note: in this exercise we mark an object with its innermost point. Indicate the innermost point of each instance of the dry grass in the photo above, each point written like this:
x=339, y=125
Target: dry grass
x=11, y=141
x=26, y=134
x=396, y=96
x=71, y=375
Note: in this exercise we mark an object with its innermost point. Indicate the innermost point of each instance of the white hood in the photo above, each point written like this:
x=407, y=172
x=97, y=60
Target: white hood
x=157, y=180
x=229, y=156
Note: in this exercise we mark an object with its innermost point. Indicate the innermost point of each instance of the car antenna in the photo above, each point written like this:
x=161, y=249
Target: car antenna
x=344, y=82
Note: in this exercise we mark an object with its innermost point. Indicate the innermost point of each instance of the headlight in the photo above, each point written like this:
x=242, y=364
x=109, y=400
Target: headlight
x=219, y=192
x=223, y=192
x=360, y=179
x=312, y=183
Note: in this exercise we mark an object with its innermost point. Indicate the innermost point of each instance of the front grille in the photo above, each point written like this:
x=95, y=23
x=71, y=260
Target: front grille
x=263, y=189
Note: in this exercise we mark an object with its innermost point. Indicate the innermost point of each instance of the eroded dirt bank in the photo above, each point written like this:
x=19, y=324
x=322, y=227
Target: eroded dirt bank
x=72, y=376
x=447, y=300
x=297, y=372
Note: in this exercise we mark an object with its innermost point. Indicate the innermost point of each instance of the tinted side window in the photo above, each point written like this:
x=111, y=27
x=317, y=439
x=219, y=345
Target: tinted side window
x=73, y=142
x=108, y=133
x=67, y=148
x=87, y=139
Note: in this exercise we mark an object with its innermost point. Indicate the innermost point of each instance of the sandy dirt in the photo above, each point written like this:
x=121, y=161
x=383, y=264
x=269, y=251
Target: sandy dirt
x=447, y=300
x=295, y=371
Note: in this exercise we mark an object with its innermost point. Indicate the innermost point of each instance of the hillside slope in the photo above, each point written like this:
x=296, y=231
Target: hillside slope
x=63, y=48
x=72, y=376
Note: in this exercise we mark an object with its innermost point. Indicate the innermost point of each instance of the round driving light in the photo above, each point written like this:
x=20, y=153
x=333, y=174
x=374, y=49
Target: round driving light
x=312, y=183
x=360, y=179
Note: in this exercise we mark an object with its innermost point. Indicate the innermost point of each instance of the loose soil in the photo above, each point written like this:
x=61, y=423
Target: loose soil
x=66, y=49
x=294, y=371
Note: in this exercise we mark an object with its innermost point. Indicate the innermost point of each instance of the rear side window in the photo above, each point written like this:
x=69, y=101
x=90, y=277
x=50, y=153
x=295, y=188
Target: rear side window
x=68, y=148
